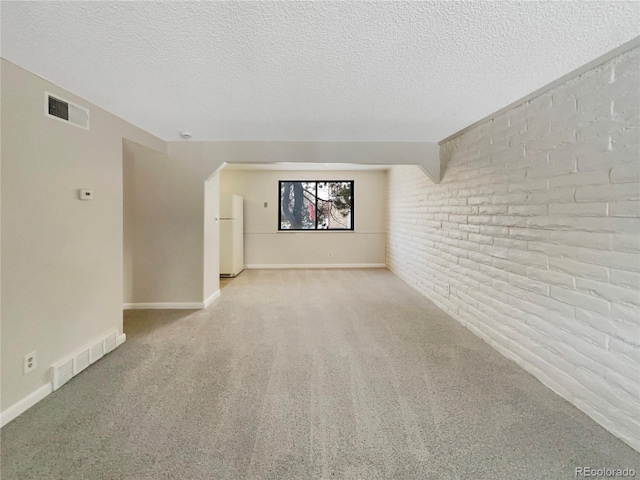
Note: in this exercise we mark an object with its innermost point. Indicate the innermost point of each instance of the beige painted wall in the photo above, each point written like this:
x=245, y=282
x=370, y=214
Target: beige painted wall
x=173, y=218
x=62, y=258
x=265, y=245
x=211, y=267
x=164, y=230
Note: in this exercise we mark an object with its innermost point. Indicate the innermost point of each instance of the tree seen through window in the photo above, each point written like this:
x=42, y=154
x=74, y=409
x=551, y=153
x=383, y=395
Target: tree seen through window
x=316, y=205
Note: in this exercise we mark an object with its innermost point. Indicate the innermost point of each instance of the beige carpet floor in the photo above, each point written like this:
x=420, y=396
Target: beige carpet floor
x=296, y=374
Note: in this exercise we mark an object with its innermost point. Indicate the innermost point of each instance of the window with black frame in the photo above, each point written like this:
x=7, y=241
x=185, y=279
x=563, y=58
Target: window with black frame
x=315, y=205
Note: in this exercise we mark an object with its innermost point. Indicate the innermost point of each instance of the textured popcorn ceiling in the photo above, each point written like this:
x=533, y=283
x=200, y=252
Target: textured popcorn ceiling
x=341, y=71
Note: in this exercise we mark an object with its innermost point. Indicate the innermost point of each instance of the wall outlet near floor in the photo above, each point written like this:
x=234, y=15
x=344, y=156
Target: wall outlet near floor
x=30, y=362
x=331, y=254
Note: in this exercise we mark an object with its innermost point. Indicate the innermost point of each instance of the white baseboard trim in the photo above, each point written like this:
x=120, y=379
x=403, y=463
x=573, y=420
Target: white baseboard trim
x=316, y=265
x=121, y=339
x=164, y=306
x=211, y=298
x=172, y=305
x=25, y=404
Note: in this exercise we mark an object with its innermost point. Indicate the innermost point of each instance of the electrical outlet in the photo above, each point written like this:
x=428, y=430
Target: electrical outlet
x=331, y=254
x=30, y=362
x=266, y=204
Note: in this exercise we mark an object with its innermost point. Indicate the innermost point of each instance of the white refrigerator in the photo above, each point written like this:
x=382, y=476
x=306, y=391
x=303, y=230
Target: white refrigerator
x=231, y=235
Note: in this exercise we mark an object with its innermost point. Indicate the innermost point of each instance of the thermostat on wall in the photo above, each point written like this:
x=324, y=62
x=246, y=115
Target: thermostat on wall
x=85, y=194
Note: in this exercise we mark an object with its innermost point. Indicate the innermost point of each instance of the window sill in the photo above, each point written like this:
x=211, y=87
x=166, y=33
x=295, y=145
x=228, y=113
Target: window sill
x=316, y=231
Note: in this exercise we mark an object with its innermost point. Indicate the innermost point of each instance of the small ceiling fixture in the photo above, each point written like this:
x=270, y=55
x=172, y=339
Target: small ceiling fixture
x=185, y=134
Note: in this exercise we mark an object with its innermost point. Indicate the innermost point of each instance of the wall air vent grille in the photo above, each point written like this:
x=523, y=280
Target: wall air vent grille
x=60, y=109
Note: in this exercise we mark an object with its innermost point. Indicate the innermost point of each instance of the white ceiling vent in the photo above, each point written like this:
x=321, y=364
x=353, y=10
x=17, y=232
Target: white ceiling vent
x=60, y=109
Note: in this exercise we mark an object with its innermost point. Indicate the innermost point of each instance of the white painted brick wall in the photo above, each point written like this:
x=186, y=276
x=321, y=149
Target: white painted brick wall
x=532, y=238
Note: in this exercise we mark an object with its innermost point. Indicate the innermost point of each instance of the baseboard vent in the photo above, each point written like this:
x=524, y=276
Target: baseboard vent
x=62, y=373
x=67, y=368
x=110, y=342
x=97, y=351
x=81, y=361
